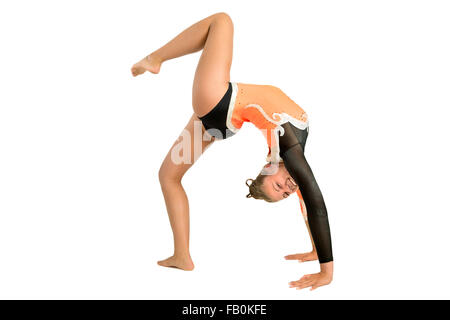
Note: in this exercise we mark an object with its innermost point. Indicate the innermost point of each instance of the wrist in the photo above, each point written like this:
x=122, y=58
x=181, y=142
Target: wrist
x=327, y=268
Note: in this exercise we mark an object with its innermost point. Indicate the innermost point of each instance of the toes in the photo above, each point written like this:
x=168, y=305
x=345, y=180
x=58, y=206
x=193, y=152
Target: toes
x=164, y=263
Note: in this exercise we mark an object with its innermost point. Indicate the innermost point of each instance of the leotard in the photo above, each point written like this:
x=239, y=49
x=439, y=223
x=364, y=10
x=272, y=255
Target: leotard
x=285, y=127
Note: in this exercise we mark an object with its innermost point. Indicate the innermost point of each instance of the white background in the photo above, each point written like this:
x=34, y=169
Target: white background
x=81, y=141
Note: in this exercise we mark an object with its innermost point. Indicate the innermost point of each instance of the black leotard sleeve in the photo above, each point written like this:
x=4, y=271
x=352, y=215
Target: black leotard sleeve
x=292, y=145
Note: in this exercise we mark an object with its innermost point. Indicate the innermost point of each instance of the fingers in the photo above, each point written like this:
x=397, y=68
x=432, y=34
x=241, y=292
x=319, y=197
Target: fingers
x=293, y=256
x=305, y=285
x=314, y=281
x=299, y=282
x=298, y=256
x=302, y=257
x=304, y=282
x=302, y=279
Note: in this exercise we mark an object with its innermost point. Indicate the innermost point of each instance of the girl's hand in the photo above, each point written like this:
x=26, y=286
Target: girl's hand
x=302, y=257
x=314, y=281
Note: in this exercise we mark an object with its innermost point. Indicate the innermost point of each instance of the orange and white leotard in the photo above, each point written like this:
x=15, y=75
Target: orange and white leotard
x=267, y=107
x=273, y=112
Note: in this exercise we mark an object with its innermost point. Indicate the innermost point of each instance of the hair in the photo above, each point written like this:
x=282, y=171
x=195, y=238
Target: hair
x=255, y=190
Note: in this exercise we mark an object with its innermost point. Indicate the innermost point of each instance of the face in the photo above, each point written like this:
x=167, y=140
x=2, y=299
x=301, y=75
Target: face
x=280, y=185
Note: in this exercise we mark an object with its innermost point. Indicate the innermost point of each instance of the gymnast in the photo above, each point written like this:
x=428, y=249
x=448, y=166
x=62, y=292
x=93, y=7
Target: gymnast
x=220, y=107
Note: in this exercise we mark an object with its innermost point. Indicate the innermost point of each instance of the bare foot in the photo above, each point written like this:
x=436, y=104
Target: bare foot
x=150, y=63
x=174, y=262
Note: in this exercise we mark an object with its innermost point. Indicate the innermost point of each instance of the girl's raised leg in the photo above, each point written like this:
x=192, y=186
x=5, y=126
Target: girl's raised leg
x=189, y=41
x=214, y=35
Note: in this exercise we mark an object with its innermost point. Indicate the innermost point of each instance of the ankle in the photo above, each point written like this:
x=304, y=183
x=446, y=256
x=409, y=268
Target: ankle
x=154, y=57
x=182, y=256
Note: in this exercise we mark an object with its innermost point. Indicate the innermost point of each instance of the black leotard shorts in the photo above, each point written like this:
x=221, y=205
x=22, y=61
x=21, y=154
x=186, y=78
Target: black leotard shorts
x=216, y=119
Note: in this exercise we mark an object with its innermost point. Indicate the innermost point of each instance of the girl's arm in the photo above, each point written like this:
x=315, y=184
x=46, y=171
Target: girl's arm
x=299, y=169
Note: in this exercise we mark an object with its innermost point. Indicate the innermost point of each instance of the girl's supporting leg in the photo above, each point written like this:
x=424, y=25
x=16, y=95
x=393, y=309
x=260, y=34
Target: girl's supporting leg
x=170, y=175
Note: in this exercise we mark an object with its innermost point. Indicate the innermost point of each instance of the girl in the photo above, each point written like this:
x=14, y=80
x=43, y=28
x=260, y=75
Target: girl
x=220, y=109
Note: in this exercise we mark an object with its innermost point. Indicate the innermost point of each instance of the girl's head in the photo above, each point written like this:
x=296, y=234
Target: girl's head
x=272, y=184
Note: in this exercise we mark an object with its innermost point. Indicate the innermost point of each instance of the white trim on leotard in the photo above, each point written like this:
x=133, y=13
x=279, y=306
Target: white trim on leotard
x=283, y=117
x=234, y=92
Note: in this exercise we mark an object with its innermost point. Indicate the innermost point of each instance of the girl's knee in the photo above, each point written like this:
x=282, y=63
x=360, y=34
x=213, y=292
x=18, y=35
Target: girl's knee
x=223, y=16
x=166, y=176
